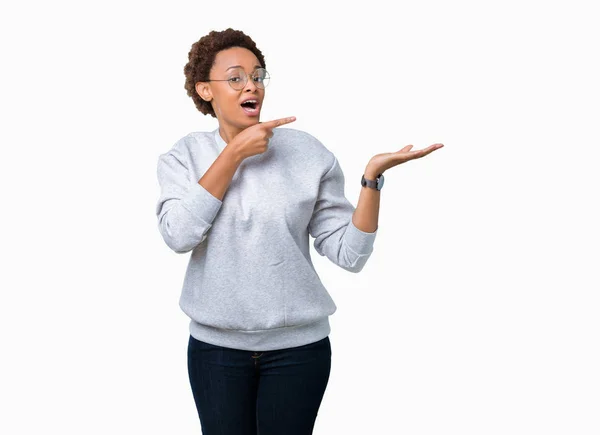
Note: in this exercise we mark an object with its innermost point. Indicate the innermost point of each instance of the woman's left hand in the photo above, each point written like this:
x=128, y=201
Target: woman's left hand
x=382, y=162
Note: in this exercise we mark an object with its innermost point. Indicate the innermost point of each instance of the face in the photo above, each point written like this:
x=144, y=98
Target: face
x=225, y=100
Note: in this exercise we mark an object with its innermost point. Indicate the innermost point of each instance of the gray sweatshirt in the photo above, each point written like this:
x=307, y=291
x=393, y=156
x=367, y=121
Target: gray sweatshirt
x=250, y=283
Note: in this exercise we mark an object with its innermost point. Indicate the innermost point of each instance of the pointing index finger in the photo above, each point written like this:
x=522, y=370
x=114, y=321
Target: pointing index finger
x=281, y=121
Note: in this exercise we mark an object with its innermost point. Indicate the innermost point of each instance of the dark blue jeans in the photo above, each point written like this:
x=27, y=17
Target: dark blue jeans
x=242, y=392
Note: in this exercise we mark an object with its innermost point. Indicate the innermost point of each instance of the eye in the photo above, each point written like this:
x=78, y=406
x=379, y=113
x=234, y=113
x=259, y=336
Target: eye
x=234, y=79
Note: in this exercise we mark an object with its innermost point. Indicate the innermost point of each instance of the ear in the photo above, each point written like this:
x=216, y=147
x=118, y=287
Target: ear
x=203, y=89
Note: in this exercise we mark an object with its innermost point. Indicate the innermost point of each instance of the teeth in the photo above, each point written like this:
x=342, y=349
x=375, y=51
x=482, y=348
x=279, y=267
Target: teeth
x=251, y=101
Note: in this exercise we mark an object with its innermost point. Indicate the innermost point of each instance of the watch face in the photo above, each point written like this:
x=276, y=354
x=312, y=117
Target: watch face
x=380, y=182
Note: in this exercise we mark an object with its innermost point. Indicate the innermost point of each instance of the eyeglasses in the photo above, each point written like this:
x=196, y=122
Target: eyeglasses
x=238, y=78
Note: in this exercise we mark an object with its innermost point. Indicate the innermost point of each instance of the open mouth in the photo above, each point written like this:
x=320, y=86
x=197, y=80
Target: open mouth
x=250, y=107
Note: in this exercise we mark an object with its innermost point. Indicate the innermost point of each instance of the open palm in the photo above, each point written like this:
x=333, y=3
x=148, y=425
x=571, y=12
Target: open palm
x=385, y=161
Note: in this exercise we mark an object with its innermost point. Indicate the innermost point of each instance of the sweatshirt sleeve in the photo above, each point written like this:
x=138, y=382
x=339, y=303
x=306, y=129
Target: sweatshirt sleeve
x=331, y=225
x=185, y=210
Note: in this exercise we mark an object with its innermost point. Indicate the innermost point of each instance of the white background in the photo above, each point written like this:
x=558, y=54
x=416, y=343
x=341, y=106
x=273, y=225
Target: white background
x=477, y=312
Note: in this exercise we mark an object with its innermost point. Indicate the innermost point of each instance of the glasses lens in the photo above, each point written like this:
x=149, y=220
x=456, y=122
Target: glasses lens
x=261, y=78
x=238, y=79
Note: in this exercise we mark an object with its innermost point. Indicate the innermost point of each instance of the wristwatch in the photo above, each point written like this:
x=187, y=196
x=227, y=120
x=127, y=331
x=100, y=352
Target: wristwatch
x=373, y=184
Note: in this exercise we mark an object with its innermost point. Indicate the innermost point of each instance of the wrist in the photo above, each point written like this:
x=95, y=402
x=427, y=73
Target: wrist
x=232, y=154
x=371, y=173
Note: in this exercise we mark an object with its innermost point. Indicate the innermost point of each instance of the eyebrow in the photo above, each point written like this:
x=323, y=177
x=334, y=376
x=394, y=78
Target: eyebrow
x=240, y=66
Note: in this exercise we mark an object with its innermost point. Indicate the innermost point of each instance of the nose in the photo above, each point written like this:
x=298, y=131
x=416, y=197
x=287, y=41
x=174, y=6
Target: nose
x=250, y=85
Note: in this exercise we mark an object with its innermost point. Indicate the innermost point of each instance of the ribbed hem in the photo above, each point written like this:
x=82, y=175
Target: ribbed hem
x=201, y=203
x=359, y=241
x=263, y=340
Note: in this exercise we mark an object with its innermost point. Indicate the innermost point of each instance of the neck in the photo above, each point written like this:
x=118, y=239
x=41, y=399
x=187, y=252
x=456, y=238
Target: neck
x=228, y=131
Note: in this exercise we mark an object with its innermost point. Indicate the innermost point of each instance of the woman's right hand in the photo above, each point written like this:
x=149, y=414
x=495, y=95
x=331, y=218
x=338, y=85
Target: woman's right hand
x=255, y=139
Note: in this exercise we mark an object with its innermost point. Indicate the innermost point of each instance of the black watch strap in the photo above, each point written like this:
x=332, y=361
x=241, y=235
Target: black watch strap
x=373, y=184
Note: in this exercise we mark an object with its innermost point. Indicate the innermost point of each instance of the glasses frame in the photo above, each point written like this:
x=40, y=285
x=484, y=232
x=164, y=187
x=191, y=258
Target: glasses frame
x=267, y=75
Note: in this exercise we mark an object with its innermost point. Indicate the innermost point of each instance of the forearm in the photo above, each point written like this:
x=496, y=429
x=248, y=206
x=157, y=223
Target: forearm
x=218, y=177
x=366, y=215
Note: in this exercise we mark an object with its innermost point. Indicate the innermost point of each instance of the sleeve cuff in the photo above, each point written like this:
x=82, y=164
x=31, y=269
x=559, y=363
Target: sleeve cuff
x=359, y=241
x=201, y=203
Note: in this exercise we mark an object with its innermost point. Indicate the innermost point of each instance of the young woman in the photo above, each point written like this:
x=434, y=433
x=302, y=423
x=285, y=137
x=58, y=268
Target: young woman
x=244, y=199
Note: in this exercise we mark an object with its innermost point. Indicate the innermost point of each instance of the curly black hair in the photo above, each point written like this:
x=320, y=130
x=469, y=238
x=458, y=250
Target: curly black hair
x=202, y=56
